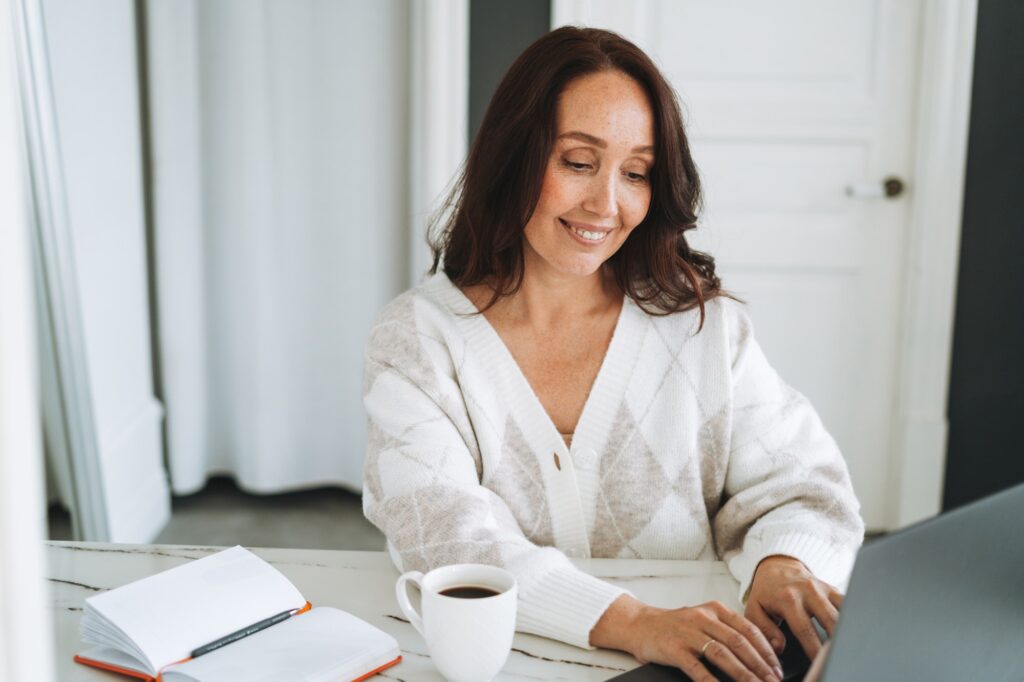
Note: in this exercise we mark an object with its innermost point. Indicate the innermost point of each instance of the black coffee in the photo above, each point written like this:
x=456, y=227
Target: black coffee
x=468, y=592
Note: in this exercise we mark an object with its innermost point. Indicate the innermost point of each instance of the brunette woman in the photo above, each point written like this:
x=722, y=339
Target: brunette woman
x=572, y=381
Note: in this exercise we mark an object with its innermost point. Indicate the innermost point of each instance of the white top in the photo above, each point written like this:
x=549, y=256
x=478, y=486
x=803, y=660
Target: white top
x=689, y=447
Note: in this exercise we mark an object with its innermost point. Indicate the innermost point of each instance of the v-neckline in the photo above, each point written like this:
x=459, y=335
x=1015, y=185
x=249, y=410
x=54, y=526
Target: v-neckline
x=606, y=392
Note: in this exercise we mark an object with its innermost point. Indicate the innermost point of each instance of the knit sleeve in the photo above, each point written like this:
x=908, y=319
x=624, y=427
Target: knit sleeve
x=421, y=488
x=787, y=488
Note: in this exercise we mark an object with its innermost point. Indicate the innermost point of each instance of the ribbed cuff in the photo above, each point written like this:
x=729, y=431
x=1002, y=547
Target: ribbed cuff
x=827, y=561
x=565, y=604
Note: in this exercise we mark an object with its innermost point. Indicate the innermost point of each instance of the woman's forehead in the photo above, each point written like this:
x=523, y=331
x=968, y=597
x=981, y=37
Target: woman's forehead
x=607, y=106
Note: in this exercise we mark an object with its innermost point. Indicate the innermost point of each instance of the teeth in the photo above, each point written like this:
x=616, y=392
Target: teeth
x=588, y=235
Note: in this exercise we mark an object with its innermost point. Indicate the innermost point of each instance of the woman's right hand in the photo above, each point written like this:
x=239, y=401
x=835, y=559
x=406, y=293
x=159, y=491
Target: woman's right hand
x=677, y=637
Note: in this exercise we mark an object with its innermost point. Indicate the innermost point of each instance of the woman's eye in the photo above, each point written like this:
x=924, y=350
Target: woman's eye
x=636, y=177
x=577, y=166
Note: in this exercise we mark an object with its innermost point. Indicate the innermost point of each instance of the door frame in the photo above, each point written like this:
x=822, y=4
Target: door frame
x=71, y=412
x=946, y=65
x=438, y=114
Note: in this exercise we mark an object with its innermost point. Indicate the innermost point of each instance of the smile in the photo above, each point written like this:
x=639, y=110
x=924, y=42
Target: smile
x=585, y=236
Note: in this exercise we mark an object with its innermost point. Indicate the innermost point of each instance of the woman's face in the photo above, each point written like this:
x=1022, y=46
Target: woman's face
x=596, y=186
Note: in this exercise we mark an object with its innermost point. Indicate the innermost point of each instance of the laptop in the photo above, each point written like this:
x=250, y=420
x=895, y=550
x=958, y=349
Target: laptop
x=940, y=600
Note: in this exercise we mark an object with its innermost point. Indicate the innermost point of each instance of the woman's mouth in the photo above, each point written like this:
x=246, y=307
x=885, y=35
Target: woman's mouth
x=584, y=236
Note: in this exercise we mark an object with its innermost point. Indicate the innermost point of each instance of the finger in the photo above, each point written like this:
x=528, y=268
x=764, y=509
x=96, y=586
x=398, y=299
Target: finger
x=741, y=647
x=756, y=636
x=692, y=666
x=726, y=661
x=836, y=597
x=823, y=610
x=800, y=625
x=814, y=674
x=767, y=625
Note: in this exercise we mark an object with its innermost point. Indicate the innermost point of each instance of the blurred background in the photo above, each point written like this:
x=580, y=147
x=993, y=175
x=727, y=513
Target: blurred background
x=227, y=192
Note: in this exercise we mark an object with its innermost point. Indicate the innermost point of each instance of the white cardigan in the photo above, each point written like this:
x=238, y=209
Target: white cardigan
x=689, y=447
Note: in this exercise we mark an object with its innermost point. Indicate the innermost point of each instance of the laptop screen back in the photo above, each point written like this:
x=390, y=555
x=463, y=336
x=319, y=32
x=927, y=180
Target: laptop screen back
x=941, y=600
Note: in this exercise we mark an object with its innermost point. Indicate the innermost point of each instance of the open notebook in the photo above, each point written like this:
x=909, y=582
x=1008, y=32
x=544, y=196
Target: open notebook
x=149, y=628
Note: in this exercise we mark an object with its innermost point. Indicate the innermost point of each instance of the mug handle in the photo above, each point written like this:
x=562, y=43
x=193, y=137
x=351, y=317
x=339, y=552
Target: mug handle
x=402, y=593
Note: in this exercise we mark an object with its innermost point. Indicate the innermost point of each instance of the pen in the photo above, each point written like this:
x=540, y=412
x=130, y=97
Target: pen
x=244, y=632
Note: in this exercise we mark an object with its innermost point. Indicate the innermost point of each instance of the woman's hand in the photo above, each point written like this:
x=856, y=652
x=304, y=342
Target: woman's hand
x=783, y=588
x=677, y=637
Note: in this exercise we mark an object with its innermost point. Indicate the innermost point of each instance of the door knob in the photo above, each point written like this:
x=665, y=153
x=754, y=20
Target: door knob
x=889, y=188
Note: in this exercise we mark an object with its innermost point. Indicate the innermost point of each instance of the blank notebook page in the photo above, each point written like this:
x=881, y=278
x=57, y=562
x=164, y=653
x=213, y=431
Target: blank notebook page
x=324, y=644
x=171, y=613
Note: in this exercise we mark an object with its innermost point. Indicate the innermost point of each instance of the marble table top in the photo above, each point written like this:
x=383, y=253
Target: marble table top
x=362, y=583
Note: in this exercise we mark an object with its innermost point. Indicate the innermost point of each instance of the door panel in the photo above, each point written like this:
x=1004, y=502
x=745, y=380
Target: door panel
x=787, y=104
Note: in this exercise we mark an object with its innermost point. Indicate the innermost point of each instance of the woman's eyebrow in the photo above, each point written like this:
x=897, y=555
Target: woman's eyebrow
x=598, y=142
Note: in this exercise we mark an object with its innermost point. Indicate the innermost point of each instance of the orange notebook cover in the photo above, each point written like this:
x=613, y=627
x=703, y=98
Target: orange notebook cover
x=149, y=678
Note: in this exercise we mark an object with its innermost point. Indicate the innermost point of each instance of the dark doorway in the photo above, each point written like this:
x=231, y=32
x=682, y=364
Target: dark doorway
x=986, y=405
x=498, y=31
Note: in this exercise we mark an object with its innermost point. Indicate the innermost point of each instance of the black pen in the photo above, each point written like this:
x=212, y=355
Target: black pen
x=244, y=632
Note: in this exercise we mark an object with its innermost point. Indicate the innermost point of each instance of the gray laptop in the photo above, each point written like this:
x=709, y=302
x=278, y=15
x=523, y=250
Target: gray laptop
x=940, y=600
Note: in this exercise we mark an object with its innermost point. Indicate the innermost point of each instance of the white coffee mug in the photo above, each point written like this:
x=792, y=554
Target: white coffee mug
x=469, y=637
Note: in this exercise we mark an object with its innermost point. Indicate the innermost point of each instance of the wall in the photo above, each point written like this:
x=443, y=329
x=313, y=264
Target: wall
x=987, y=378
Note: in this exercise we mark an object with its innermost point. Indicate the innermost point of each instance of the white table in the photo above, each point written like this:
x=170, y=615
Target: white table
x=362, y=583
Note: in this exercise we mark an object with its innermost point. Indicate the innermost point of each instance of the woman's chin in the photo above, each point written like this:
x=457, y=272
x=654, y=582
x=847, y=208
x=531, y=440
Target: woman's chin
x=577, y=266
x=568, y=262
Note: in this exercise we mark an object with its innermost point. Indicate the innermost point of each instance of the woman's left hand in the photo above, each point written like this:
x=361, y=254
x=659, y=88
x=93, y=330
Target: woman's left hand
x=783, y=588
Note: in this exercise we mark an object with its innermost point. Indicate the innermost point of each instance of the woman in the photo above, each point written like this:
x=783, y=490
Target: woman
x=572, y=381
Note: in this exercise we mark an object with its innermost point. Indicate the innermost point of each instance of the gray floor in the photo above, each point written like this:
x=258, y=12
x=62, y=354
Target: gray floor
x=221, y=514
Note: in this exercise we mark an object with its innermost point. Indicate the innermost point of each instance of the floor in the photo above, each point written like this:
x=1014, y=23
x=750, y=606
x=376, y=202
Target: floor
x=221, y=514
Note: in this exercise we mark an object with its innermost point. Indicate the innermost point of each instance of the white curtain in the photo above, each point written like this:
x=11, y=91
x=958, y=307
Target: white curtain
x=280, y=194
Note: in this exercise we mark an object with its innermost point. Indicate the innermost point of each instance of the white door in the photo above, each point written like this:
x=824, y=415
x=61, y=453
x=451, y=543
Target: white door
x=788, y=104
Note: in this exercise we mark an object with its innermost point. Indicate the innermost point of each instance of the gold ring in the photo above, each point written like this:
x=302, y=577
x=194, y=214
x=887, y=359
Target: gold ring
x=704, y=648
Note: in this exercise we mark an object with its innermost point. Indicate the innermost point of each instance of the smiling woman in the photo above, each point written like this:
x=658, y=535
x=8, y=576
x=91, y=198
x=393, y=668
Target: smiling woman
x=595, y=189
x=580, y=112
x=572, y=381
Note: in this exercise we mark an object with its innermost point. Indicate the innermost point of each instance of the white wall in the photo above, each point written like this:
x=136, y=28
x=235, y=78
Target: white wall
x=92, y=51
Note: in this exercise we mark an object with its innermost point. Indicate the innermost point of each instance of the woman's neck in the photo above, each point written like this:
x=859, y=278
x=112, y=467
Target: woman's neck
x=550, y=300
x=545, y=301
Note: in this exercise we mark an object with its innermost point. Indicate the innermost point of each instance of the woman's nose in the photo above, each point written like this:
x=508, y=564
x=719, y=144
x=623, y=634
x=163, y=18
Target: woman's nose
x=602, y=197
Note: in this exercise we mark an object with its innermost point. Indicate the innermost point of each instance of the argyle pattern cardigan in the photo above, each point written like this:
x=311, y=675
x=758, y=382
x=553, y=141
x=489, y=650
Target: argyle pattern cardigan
x=689, y=446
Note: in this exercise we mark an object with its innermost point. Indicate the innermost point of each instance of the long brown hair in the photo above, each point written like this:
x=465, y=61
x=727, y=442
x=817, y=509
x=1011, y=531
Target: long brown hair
x=477, y=236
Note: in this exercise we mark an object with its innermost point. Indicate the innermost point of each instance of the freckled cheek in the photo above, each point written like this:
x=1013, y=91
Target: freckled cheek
x=636, y=210
x=556, y=197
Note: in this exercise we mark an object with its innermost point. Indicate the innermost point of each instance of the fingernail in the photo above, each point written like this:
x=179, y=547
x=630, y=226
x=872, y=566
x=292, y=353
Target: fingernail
x=778, y=672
